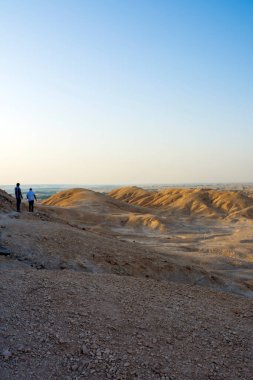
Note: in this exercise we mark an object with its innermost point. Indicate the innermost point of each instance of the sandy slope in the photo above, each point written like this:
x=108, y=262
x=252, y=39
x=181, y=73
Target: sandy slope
x=99, y=209
x=7, y=203
x=207, y=202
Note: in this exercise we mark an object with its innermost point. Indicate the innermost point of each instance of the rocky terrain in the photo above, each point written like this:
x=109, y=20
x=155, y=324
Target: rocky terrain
x=7, y=202
x=127, y=286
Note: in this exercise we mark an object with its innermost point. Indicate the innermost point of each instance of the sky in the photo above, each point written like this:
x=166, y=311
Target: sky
x=126, y=91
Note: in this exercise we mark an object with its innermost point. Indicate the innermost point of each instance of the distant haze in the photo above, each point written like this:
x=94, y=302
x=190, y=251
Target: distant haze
x=124, y=92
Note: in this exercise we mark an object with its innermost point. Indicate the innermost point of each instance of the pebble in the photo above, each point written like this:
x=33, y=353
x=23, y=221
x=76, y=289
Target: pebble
x=20, y=347
x=84, y=350
x=6, y=353
x=74, y=367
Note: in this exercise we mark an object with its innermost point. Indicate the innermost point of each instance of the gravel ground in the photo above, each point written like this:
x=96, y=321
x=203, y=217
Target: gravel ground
x=62, y=324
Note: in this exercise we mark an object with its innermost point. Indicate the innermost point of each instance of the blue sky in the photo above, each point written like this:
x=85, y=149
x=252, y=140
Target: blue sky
x=126, y=91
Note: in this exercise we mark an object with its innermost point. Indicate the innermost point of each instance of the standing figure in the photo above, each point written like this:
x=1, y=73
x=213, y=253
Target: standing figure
x=19, y=196
x=31, y=196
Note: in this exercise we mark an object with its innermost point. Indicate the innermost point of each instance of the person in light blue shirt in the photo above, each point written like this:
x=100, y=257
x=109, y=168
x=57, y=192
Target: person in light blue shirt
x=31, y=197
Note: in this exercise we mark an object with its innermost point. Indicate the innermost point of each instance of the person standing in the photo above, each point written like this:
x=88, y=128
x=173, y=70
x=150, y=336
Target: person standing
x=19, y=196
x=31, y=196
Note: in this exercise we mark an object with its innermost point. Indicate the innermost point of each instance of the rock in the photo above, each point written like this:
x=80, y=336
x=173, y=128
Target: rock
x=4, y=251
x=6, y=353
x=84, y=350
x=20, y=347
x=74, y=367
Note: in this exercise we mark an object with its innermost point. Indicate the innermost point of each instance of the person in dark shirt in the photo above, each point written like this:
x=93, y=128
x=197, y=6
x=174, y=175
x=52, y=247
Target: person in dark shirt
x=19, y=196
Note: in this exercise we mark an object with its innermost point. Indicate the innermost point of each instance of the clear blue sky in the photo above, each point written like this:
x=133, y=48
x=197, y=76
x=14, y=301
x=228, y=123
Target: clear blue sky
x=126, y=91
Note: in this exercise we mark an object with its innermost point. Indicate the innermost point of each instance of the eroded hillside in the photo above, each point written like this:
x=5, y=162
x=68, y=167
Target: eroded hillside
x=207, y=202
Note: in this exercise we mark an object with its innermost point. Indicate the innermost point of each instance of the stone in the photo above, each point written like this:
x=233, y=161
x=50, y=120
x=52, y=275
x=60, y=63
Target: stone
x=4, y=251
x=84, y=350
x=74, y=367
x=6, y=353
x=20, y=347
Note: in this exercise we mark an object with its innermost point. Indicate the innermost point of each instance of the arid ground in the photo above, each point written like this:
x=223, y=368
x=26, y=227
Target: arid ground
x=133, y=284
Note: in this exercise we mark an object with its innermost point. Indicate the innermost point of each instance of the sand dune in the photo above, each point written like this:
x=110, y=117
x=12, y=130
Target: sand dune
x=100, y=208
x=207, y=202
x=74, y=197
x=83, y=198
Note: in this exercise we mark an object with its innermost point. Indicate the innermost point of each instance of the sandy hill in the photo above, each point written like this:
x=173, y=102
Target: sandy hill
x=207, y=202
x=7, y=202
x=79, y=197
x=95, y=207
x=73, y=197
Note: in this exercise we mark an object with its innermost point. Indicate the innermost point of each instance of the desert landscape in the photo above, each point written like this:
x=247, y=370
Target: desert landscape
x=132, y=284
x=126, y=132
